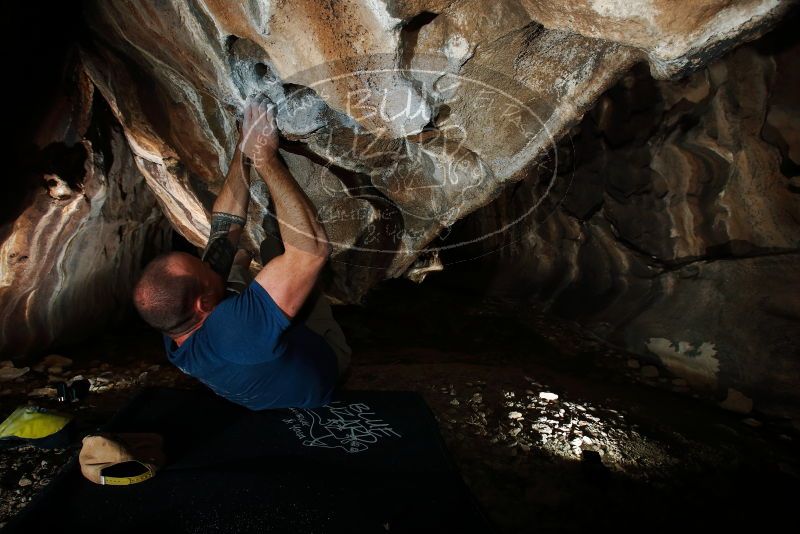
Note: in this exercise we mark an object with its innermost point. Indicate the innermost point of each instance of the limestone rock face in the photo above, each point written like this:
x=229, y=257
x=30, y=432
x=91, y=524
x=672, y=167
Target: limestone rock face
x=68, y=260
x=674, y=227
x=675, y=36
x=399, y=117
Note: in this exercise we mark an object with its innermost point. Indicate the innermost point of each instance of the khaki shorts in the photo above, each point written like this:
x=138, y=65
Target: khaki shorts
x=316, y=313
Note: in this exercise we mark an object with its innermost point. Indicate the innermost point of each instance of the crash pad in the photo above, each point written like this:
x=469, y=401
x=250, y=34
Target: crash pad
x=367, y=462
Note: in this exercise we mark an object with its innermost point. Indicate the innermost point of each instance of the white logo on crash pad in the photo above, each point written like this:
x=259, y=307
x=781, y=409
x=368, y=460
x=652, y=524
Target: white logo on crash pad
x=350, y=427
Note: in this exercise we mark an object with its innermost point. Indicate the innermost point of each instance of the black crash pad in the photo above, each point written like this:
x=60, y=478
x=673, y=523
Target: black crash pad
x=368, y=462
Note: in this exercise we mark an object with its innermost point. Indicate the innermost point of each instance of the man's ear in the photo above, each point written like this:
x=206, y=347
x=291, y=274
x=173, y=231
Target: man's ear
x=204, y=303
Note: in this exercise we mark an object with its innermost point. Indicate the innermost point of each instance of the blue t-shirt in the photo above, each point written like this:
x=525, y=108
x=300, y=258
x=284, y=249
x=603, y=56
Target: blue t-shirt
x=248, y=351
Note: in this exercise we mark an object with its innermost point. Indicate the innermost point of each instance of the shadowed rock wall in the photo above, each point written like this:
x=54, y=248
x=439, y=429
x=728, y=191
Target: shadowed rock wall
x=674, y=227
x=86, y=225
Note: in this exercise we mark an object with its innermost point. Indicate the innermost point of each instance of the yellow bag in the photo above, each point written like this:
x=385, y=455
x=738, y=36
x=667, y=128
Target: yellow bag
x=32, y=422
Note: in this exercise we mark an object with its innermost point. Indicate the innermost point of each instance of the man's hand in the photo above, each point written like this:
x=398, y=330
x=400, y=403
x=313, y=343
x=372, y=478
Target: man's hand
x=259, y=131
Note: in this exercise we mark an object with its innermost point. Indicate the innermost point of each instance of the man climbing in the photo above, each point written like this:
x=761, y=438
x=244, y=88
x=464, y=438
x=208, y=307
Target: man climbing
x=261, y=348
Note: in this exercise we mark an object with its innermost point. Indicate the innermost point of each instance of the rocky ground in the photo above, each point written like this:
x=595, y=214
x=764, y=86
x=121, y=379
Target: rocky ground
x=551, y=429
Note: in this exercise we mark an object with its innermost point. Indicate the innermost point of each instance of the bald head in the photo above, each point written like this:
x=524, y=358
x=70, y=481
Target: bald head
x=168, y=292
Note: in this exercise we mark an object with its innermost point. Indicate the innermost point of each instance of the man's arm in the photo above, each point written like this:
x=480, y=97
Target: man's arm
x=289, y=277
x=228, y=216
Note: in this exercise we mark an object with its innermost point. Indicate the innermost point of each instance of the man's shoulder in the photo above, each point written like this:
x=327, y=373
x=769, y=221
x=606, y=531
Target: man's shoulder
x=253, y=305
x=245, y=329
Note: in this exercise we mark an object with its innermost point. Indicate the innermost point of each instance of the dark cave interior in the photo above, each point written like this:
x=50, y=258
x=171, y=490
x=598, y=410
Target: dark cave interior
x=566, y=359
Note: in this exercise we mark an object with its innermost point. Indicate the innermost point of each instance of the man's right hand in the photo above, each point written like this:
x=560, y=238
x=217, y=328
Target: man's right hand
x=259, y=131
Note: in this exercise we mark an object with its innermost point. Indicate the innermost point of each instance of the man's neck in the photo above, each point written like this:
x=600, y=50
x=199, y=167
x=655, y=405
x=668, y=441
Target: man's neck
x=180, y=338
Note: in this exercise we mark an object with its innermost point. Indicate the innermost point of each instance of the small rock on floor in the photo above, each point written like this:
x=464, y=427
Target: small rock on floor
x=43, y=392
x=650, y=371
x=56, y=360
x=737, y=402
x=10, y=373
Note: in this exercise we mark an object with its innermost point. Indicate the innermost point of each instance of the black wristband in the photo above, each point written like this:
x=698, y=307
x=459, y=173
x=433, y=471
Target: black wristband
x=221, y=222
x=221, y=250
